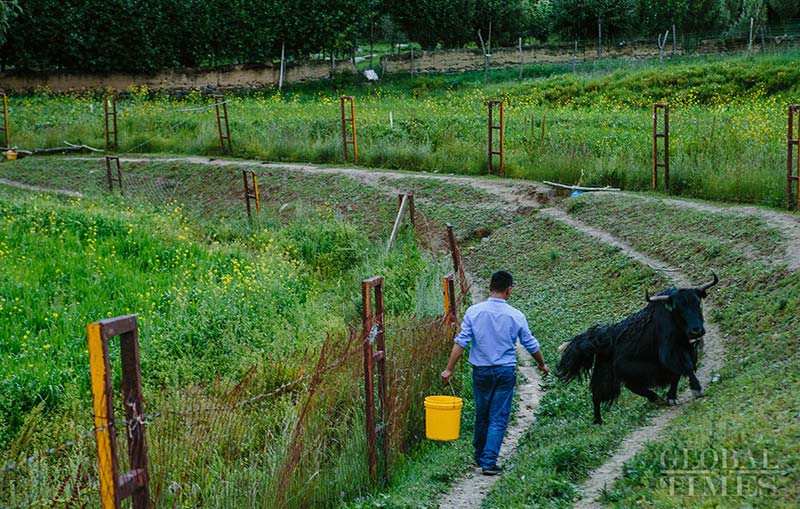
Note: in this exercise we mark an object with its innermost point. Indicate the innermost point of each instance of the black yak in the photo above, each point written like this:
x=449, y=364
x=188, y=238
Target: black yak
x=651, y=348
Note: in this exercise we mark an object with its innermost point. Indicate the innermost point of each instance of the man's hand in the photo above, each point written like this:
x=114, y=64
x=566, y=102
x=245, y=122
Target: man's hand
x=455, y=354
x=541, y=363
x=544, y=369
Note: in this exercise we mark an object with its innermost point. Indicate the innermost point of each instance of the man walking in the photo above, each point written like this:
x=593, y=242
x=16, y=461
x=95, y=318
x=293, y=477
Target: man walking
x=493, y=327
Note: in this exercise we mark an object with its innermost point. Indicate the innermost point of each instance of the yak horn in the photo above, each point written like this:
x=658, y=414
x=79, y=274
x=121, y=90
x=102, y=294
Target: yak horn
x=657, y=298
x=709, y=285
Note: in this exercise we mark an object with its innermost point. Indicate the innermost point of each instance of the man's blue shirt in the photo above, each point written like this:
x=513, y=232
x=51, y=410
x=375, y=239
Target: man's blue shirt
x=493, y=327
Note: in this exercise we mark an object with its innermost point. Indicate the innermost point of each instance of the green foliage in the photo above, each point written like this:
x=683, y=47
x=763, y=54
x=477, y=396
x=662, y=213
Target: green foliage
x=578, y=19
x=687, y=16
x=9, y=9
x=326, y=243
x=542, y=19
x=432, y=22
x=148, y=35
x=785, y=9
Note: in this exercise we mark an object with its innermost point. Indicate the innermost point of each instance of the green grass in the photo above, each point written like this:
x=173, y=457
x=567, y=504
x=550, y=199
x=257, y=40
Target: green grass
x=566, y=282
x=752, y=410
x=226, y=310
x=563, y=286
x=728, y=125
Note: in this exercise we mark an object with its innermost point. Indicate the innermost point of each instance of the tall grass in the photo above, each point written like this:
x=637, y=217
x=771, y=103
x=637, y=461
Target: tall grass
x=225, y=314
x=728, y=125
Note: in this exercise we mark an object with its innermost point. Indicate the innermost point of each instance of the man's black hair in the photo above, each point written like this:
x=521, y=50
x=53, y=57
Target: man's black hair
x=501, y=280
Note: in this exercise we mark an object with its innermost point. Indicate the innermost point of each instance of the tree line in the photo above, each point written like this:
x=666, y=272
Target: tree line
x=148, y=35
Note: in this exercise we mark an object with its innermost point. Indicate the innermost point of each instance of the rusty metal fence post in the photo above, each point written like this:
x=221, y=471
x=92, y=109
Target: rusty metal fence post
x=449, y=292
x=110, y=109
x=352, y=119
x=794, y=118
x=222, y=120
x=251, y=194
x=496, y=127
x=114, y=488
x=5, y=119
x=110, y=173
x=458, y=268
x=665, y=136
x=373, y=334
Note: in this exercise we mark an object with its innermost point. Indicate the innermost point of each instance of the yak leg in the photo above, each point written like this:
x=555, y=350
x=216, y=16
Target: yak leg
x=605, y=387
x=672, y=393
x=597, y=418
x=643, y=391
x=689, y=366
x=694, y=384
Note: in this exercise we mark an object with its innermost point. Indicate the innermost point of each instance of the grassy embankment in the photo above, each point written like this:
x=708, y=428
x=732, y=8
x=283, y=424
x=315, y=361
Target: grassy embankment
x=728, y=124
x=752, y=415
x=226, y=311
x=754, y=308
x=567, y=283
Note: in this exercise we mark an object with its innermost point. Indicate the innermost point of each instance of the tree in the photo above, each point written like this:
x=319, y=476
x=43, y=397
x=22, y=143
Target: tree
x=541, y=19
x=579, y=19
x=8, y=11
x=687, y=15
x=785, y=9
x=509, y=20
x=432, y=22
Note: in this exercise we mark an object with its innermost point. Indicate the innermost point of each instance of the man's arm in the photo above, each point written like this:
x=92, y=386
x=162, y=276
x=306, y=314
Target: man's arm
x=455, y=354
x=532, y=346
x=461, y=341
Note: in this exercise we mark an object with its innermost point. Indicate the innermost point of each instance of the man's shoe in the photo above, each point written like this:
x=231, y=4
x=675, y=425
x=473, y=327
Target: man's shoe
x=492, y=471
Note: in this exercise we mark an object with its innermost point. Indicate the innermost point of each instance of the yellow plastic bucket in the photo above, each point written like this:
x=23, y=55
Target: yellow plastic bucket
x=11, y=155
x=442, y=417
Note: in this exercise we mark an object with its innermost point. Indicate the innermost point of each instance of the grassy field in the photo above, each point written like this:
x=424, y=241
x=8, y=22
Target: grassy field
x=227, y=310
x=728, y=124
x=565, y=283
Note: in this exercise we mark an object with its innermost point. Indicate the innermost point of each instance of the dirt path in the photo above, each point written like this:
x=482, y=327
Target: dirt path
x=511, y=194
x=469, y=492
x=712, y=362
x=20, y=185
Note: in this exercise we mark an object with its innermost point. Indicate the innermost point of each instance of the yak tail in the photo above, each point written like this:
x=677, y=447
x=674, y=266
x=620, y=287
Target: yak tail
x=577, y=354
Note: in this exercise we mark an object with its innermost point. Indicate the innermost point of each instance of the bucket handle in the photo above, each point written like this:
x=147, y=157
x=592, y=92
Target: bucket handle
x=453, y=392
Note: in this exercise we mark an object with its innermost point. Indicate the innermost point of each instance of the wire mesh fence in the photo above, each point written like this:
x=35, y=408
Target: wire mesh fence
x=300, y=443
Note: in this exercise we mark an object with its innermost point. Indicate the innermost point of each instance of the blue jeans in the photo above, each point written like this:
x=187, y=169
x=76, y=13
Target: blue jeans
x=493, y=387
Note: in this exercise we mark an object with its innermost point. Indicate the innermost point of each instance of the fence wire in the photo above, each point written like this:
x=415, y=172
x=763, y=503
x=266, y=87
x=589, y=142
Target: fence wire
x=244, y=447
